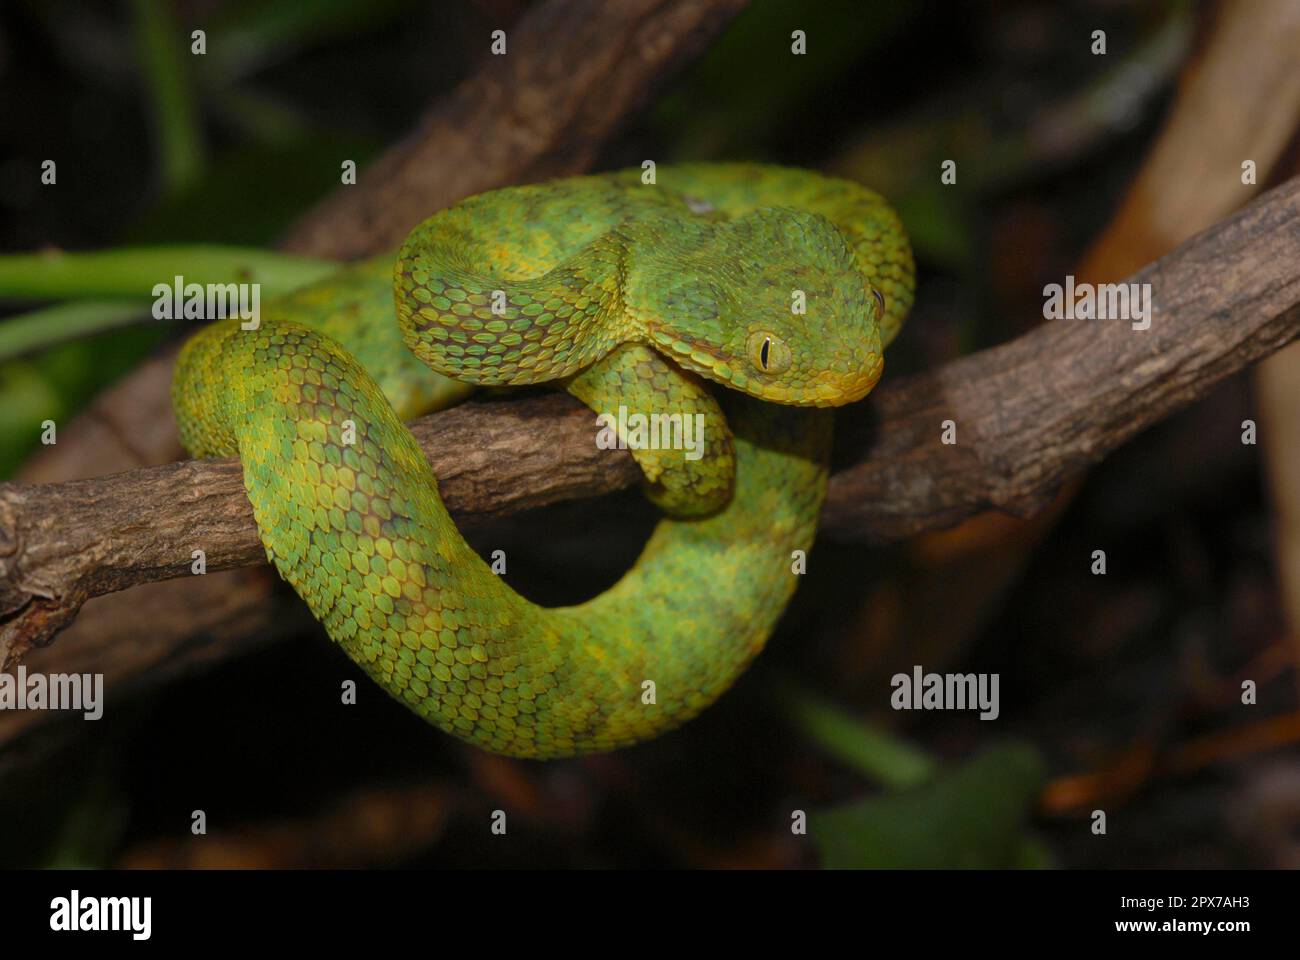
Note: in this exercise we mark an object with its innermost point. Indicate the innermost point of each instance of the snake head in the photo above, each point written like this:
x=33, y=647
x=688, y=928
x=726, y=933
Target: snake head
x=773, y=304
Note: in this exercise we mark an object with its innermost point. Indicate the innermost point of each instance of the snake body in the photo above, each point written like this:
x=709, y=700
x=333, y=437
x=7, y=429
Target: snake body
x=626, y=294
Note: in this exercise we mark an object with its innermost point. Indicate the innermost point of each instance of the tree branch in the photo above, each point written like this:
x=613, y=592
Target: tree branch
x=1028, y=414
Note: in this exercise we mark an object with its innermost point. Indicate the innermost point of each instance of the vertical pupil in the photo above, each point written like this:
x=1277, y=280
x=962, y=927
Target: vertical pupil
x=762, y=353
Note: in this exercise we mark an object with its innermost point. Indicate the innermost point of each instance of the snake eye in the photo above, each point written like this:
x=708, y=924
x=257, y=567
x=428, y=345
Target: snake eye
x=880, y=300
x=768, y=352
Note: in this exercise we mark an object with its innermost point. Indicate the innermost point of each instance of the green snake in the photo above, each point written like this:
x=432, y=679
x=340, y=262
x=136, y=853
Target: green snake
x=781, y=285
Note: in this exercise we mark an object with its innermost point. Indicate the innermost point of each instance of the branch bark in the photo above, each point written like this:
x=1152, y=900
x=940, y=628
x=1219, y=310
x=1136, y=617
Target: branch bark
x=1029, y=414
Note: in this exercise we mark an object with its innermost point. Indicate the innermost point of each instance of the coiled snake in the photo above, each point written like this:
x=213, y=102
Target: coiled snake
x=779, y=284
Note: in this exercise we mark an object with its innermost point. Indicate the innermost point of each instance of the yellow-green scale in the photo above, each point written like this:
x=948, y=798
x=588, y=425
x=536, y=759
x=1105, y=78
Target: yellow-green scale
x=628, y=294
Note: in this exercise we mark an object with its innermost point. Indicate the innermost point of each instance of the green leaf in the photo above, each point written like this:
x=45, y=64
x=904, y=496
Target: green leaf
x=884, y=758
x=251, y=193
x=133, y=271
x=164, y=65
x=93, y=825
x=249, y=35
x=970, y=817
x=54, y=384
x=29, y=332
x=733, y=102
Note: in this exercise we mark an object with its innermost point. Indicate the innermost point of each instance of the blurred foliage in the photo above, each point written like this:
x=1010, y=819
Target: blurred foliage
x=997, y=138
x=884, y=758
x=928, y=816
x=93, y=826
x=971, y=817
x=246, y=198
x=246, y=193
x=733, y=104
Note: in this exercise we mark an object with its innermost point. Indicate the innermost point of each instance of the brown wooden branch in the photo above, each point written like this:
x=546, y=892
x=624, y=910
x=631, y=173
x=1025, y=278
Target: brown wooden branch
x=62, y=543
x=1028, y=415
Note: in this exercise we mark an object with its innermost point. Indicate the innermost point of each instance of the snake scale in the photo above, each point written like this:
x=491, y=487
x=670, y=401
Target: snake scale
x=779, y=284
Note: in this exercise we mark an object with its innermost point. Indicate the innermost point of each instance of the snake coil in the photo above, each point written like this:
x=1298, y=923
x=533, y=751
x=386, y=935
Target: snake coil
x=781, y=285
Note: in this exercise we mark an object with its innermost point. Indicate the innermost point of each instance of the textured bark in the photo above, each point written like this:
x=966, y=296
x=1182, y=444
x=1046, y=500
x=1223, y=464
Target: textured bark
x=62, y=543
